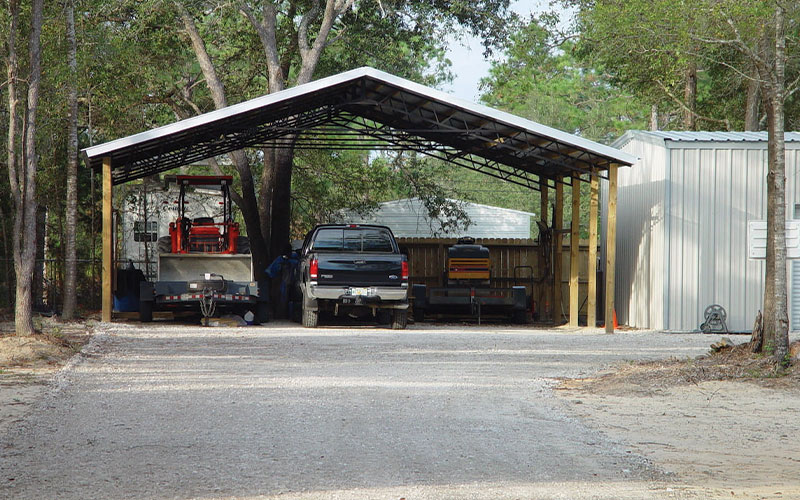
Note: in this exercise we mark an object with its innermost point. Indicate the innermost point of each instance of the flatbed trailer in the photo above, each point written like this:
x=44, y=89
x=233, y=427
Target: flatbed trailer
x=470, y=301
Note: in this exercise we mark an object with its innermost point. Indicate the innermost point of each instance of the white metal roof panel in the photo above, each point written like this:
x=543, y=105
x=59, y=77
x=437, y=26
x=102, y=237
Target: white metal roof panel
x=475, y=129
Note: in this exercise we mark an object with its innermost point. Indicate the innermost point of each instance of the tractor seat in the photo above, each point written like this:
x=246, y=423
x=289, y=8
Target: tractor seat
x=203, y=220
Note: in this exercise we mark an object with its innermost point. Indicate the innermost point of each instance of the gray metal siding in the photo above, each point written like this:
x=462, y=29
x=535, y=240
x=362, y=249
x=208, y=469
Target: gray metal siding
x=793, y=203
x=640, y=237
x=408, y=218
x=712, y=189
x=714, y=193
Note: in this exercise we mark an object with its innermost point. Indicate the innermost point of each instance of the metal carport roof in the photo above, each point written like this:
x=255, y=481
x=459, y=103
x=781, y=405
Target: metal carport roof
x=365, y=109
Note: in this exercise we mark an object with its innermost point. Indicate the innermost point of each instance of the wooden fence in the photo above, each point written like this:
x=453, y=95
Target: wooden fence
x=514, y=262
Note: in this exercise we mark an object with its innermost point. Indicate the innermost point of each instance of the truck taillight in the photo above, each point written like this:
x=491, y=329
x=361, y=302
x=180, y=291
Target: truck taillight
x=404, y=271
x=313, y=269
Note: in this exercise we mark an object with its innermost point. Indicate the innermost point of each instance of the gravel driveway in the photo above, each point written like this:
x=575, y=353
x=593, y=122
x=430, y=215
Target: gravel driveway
x=168, y=411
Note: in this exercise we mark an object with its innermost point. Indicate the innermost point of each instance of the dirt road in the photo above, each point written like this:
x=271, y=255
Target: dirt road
x=171, y=411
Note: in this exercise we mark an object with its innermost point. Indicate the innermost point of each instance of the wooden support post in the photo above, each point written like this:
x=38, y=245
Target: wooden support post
x=544, y=266
x=611, y=246
x=591, y=301
x=558, y=225
x=574, y=251
x=108, y=240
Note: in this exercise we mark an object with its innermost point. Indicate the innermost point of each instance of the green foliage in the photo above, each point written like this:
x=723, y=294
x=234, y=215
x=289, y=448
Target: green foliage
x=555, y=88
x=648, y=45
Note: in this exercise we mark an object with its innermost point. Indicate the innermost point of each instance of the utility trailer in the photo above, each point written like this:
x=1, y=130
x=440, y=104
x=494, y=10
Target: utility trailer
x=204, y=265
x=467, y=290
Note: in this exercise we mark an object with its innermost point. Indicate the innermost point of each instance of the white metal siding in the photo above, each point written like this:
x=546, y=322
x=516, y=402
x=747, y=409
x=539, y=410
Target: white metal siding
x=408, y=219
x=713, y=188
x=638, y=294
x=793, y=202
x=714, y=192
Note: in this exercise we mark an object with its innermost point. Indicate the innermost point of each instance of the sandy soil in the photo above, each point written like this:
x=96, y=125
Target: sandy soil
x=732, y=438
x=27, y=365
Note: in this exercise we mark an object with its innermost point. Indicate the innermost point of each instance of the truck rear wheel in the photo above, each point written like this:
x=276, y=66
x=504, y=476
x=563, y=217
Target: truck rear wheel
x=146, y=311
x=310, y=318
x=399, y=319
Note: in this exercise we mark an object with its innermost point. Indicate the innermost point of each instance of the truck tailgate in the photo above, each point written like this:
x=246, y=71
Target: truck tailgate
x=360, y=269
x=185, y=267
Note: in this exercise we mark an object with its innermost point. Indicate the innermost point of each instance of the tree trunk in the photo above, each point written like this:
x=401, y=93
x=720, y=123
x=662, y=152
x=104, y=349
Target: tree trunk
x=654, y=117
x=71, y=215
x=280, y=215
x=690, y=97
x=7, y=276
x=751, y=108
x=25, y=216
x=776, y=316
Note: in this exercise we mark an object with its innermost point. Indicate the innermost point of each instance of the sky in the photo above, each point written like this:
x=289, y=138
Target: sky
x=468, y=63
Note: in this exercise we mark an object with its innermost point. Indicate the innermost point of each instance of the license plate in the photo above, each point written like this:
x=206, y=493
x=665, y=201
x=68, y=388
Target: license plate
x=360, y=291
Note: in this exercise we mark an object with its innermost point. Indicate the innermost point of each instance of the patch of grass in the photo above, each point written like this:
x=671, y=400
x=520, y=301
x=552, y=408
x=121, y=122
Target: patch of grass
x=736, y=363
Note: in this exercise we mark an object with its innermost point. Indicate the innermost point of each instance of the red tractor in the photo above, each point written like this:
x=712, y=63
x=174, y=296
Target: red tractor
x=204, y=263
x=203, y=234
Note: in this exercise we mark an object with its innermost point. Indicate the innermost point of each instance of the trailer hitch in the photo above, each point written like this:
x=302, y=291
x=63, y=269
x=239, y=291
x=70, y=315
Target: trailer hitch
x=208, y=303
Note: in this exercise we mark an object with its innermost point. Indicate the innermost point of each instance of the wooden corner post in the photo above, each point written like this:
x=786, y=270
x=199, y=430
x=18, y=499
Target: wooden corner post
x=591, y=300
x=574, y=251
x=611, y=246
x=558, y=226
x=108, y=240
x=544, y=290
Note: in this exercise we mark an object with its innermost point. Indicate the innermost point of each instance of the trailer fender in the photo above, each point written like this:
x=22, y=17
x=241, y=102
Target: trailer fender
x=519, y=297
x=420, y=294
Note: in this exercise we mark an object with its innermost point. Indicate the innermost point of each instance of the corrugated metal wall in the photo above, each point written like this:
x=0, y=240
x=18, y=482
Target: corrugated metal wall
x=677, y=257
x=408, y=219
x=639, y=298
x=715, y=189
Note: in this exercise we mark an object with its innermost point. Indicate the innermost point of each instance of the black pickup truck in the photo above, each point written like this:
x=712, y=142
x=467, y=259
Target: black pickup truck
x=352, y=269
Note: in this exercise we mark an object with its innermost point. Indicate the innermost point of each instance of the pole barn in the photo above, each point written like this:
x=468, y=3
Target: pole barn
x=372, y=110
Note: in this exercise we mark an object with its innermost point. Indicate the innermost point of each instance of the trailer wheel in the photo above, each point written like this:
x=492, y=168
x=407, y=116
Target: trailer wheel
x=399, y=319
x=519, y=317
x=164, y=244
x=262, y=312
x=419, y=314
x=146, y=311
x=242, y=244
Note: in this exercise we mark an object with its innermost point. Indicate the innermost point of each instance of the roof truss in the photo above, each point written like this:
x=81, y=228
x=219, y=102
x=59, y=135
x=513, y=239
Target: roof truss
x=370, y=110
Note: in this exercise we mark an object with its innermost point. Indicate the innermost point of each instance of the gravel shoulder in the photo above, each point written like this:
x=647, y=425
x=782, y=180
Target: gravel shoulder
x=169, y=411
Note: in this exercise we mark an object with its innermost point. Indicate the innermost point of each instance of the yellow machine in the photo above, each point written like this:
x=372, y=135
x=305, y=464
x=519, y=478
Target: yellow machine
x=468, y=263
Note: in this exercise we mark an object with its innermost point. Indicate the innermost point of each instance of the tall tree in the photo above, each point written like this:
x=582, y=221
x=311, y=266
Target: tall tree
x=71, y=216
x=22, y=168
x=294, y=37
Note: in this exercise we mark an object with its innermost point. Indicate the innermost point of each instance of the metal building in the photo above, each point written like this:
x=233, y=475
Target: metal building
x=682, y=227
x=408, y=218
